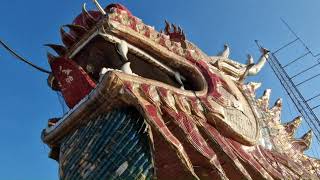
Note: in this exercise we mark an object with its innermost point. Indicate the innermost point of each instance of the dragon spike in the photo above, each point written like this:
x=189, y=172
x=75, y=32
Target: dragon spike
x=277, y=107
x=183, y=35
x=76, y=30
x=252, y=87
x=87, y=17
x=307, y=137
x=304, y=142
x=175, y=28
x=59, y=49
x=276, y=110
x=293, y=125
x=179, y=29
x=103, y=12
x=67, y=39
x=167, y=28
x=278, y=103
x=264, y=99
x=51, y=58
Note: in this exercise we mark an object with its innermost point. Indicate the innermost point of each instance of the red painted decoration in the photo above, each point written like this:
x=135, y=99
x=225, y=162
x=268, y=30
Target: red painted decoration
x=74, y=82
x=80, y=19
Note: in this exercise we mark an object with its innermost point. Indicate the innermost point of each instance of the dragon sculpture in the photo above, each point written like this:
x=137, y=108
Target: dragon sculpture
x=151, y=105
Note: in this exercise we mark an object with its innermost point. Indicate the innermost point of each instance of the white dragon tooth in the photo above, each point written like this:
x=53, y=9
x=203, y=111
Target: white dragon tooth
x=126, y=68
x=103, y=71
x=178, y=78
x=122, y=48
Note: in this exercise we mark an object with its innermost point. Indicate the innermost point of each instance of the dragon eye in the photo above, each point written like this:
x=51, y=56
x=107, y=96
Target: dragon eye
x=90, y=68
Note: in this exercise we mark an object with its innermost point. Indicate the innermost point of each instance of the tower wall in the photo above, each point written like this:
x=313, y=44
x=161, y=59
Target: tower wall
x=112, y=146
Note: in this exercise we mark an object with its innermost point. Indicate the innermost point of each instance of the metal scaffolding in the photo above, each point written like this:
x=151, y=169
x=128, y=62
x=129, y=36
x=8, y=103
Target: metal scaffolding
x=300, y=102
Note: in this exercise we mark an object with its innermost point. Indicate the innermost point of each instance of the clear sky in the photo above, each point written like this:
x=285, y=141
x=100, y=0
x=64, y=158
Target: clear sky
x=27, y=102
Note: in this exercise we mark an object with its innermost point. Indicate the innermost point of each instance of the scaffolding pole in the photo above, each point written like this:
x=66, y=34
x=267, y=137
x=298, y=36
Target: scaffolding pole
x=295, y=95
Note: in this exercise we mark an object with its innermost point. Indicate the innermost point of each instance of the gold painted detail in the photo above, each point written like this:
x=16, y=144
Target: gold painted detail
x=241, y=123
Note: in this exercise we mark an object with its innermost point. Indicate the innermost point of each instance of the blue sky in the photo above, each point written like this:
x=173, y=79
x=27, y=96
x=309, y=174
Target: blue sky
x=27, y=102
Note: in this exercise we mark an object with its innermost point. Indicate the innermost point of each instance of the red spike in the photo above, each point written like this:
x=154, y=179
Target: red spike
x=59, y=49
x=183, y=35
x=167, y=28
x=67, y=38
x=76, y=30
x=175, y=29
x=87, y=18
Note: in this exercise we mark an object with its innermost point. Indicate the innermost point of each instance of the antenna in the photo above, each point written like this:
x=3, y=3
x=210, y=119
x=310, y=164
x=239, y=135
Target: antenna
x=103, y=12
x=11, y=51
x=291, y=86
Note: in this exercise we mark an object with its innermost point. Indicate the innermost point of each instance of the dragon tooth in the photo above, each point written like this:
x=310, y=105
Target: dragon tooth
x=122, y=49
x=126, y=68
x=102, y=72
x=177, y=76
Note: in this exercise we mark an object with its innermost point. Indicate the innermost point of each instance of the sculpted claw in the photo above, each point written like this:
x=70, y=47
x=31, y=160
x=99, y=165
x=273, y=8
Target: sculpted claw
x=255, y=69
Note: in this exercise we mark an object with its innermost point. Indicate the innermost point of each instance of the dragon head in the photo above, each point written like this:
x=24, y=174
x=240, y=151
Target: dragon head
x=112, y=59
